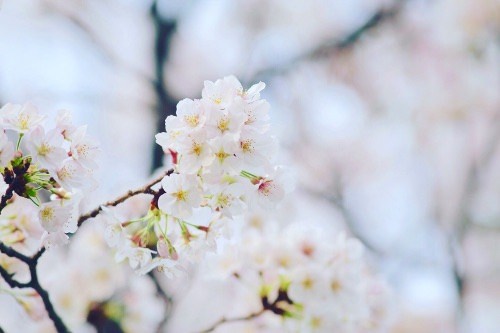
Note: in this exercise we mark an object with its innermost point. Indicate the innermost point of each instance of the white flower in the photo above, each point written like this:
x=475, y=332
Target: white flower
x=64, y=124
x=226, y=199
x=113, y=234
x=84, y=149
x=169, y=267
x=191, y=113
x=71, y=175
x=257, y=116
x=52, y=239
x=181, y=195
x=221, y=92
x=46, y=148
x=54, y=216
x=137, y=256
x=169, y=140
x=230, y=120
x=224, y=149
x=20, y=118
x=270, y=190
x=308, y=283
x=255, y=148
x=195, y=153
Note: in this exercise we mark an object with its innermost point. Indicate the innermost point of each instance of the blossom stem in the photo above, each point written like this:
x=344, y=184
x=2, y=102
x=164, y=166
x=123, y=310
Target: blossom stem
x=19, y=140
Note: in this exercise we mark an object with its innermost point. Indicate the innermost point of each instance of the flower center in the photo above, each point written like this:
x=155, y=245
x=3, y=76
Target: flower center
x=180, y=195
x=47, y=213
x=44, y=149
x=197, y=148
x=223, y=124
x=192, y=120
x=221, y=155
x=247, y=146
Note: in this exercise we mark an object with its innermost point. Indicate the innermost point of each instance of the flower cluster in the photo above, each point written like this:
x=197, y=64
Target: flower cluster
x=42, y=162
x=222, y=153
x=297, y=278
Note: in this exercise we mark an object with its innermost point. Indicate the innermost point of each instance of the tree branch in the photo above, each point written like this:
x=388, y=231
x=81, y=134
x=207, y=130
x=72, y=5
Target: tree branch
x=8, y=277
x=334, y=45
x=146, y=189
x=31, y=262
x=224, y=320
x=164, y=296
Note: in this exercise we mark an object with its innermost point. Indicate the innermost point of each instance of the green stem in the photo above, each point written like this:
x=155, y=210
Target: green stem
x=19, y=140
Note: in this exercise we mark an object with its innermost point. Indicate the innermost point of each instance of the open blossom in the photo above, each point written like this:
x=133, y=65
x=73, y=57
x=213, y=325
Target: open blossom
x=191, y=114
x=83, y=148
x=255, y=149
x=227, y=121
x=224, y=149
x=269, y=190
x=64, y=124
x=198, y=152
x=137, y=256
x=181, y=195
x=227, y=199
x=55, y=218
x=46, y=148
x=222, y=92
x=20, y=118
x=71, y=175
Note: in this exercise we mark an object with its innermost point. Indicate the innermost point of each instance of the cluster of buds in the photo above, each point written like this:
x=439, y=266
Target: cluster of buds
x=222, y=152
x=55, y=164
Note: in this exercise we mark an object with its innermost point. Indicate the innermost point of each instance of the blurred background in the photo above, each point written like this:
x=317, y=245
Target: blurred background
x=389, y=112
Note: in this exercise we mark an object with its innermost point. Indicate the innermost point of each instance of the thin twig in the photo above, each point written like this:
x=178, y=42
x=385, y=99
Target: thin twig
x=334, y=45
x=146, y=189
x=232, y=320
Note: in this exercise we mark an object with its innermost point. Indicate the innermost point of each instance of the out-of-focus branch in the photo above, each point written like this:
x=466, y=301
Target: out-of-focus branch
x=100, y=44
x=165, y=104
x=335, y=45
x=32, y=263
x=165, y=297
x=338, y=203
x=464, y=222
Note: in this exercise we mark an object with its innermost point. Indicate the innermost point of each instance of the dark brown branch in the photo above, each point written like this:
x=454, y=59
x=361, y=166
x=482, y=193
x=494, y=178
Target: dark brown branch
x=8, y=277
x=33, y=283
x=146, y=189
